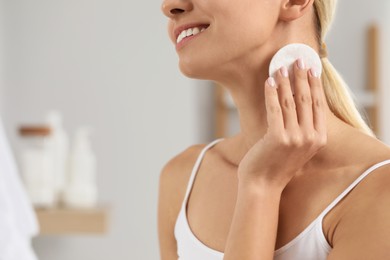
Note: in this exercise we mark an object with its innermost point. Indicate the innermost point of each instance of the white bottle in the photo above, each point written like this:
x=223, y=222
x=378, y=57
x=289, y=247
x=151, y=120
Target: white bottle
x=37, y=165
x=81, y=191
x=59, y=149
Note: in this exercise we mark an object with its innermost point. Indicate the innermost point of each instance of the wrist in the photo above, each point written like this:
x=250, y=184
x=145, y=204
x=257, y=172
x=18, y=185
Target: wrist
x=266, y=179
x=260, y=186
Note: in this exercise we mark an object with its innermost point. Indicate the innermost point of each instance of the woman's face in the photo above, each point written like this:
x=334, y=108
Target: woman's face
x=221, y=33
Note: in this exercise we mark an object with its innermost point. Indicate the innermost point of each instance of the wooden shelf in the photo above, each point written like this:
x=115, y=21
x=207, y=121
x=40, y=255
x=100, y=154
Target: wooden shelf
x=65, y=221
x=373, y=85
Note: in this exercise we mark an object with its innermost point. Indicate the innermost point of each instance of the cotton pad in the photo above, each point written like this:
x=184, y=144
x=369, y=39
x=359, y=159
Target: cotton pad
x=288, y=55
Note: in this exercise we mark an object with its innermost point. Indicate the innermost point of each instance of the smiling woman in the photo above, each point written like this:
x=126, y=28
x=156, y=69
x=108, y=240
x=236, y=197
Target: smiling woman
x=297, y=180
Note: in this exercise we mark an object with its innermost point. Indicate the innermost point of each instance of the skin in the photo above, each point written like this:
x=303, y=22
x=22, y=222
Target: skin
x=320, y=154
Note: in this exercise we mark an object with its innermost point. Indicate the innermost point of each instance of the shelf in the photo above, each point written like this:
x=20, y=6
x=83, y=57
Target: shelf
x=65, y=221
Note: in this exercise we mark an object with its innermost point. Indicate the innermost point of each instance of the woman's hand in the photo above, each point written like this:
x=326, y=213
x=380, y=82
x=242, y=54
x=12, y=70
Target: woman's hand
x=296, y=132
x=296, y=129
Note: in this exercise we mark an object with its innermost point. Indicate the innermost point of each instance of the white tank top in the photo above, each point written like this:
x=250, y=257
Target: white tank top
x=310, y=244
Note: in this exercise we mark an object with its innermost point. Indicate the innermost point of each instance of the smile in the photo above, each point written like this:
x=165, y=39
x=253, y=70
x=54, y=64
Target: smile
x=189, y=32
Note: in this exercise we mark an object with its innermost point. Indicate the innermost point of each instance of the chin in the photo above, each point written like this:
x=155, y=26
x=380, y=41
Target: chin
x=196, y=70
x=191, y=73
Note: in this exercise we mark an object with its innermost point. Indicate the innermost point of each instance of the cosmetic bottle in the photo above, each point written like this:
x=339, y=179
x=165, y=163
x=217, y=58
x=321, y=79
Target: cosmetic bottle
x=81, y=189
x=59, y=150
x=36, y=165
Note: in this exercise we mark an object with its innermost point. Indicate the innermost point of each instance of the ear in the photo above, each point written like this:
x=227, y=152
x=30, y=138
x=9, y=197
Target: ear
x=294, y=9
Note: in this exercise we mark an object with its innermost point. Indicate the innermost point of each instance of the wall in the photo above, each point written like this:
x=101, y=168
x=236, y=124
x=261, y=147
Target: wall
x=107, y=64
x=347, y=42
x=2, y=61
x=347, y=49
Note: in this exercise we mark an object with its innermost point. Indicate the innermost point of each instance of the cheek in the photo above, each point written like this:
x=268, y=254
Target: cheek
x=248, y=26
x=236, y=35
x=240, y=39
x=257, y=27
x=221, y=49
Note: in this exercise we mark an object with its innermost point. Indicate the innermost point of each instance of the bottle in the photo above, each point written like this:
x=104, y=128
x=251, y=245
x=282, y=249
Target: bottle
x=81, y=190
x=36, y=165
x=59, y=149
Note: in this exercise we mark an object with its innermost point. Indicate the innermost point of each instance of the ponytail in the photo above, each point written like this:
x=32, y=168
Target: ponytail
x=336, y=90
x=339, y=98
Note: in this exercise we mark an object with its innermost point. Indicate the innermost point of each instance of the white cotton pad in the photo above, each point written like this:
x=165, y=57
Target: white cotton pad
x=288, y=55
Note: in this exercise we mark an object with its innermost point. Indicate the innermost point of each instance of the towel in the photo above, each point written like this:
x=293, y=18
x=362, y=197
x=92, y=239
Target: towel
x=18, y=223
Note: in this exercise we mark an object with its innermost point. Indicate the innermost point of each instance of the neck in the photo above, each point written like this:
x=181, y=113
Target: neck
x=245, y=84
x=244, y=78
x=250, y=103
x=248, y=96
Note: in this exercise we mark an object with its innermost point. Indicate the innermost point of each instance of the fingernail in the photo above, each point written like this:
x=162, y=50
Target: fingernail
x=314, y=73
x=271, y=81
x=301, y=64
x=284, y=71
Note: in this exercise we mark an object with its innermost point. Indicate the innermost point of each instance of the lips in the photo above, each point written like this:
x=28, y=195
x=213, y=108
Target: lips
x=188, y=30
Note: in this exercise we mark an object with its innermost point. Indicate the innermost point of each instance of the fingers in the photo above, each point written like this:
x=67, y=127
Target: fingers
x=319, y=103
x=303, y=98
x=286, y=99
x=274, y=111
x=303, y=110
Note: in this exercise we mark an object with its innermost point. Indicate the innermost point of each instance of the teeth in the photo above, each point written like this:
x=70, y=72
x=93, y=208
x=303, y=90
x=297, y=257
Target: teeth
x=189, y=32
x=182, y=35
x=195, y=31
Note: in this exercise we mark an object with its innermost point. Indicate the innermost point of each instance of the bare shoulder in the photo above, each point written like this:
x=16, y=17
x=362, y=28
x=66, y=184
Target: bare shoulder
x=369, y=149
x=172, y=186
x=176, y=172
x=363, y=230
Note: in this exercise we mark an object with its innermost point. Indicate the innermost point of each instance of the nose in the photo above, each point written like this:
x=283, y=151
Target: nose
x=174, y=8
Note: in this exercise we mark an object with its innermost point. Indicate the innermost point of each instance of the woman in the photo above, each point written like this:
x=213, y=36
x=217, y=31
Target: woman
x=304, y=178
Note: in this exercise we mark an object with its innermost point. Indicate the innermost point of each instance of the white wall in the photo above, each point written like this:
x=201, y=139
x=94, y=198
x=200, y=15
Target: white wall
x=108, y=64
x=347, y=39
x=347, y=49
x=1, y=54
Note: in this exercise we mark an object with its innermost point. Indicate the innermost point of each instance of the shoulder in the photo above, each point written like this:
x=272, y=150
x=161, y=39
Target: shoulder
x=374, y=187
x=363, y=230
x=180, y=166
x=175, y=175
x=172, y=187
x=368, y=149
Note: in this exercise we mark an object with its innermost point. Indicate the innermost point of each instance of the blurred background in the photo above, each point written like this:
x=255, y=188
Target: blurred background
x=110, y=65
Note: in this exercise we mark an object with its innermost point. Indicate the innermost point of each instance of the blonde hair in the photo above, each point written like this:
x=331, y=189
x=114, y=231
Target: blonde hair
x=336, y=90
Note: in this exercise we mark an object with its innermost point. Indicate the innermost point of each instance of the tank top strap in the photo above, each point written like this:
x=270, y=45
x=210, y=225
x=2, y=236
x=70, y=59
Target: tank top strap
x=353, y=185
x=196, y=167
